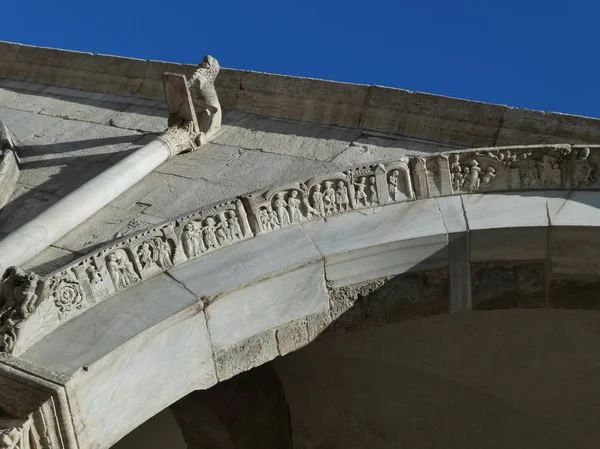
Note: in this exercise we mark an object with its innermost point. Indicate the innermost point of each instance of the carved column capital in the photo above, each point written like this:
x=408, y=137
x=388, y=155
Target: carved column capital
x=178, y=139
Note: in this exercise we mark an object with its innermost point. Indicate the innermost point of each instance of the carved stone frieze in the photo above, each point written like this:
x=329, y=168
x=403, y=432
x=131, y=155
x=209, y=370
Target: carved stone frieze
x=139, y=256
x=19, y=298
x=19, y=434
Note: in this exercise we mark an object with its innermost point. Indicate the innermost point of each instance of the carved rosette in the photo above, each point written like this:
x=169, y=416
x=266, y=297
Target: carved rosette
x=66, y=293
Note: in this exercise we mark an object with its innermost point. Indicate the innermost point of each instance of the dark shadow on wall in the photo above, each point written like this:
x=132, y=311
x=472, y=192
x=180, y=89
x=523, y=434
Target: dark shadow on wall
x=248, y=411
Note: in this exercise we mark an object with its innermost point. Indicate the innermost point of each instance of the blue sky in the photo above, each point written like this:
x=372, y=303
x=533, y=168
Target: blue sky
x=527, y=53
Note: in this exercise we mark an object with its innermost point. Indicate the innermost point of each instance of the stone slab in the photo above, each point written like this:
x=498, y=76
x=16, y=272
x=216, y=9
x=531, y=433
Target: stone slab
x=367, y=149
x=143, y=377
x=453, y=213
x=307, y=140
x=49, y=260
x=201, y=164
x=574, y=250
x=508, y=210
x=104, y=327
x=574, y=209
x=246, y=262
x=267, y=304
x=509, y=244
x=141, y=118
x=380, y=242
x=387, y=259
x=248, y=173
x=99, y=228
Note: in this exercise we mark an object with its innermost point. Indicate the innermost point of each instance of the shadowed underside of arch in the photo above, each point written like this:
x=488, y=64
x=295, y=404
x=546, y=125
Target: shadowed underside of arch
x=146, y=320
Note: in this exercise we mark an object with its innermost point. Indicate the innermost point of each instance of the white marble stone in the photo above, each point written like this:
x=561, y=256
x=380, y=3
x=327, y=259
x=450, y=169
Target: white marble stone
x=574, y=209
x=142, y=377
x=519, y=209
x=453, y=213
x=105, y=327
x=245, y=262
x=267, y=304
x=380, y=241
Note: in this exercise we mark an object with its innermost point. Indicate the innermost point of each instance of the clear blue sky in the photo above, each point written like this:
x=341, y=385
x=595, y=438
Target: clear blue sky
x=528, y=53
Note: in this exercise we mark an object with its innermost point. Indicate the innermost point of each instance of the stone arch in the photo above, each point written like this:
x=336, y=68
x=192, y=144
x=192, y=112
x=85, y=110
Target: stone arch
x=175, y=333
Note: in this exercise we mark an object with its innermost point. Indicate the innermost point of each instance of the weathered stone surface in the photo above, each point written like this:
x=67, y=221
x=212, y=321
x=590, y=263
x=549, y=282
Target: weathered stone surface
x=489, y=211
x=266, y=304
x=307, y=140
x=246, y=354
x=50, y=260
x=389, y=300
x=574, y=292
x=573, y=250
x=367, y=149
x=509, y=285
x=141, y=118
x=124, y=317
x=202, y=164
x=292, y=336
x=508, y=244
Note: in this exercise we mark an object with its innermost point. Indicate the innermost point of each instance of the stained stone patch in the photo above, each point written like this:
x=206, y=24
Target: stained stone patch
x=500, y=285
x=581, y=292
x=390, y=299
x=246, y=354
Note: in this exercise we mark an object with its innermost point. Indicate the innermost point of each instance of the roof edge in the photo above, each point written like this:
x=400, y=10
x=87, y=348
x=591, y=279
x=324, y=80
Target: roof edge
x=386, y=110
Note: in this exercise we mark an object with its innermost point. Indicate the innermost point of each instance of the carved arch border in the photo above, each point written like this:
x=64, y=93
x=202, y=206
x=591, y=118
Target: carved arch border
x=253, y=215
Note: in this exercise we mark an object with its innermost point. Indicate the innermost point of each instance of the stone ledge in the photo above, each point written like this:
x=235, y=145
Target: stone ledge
x=371, y=108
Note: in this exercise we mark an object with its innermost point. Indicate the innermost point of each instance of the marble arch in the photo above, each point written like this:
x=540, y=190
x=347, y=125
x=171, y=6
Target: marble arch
x=277, y=285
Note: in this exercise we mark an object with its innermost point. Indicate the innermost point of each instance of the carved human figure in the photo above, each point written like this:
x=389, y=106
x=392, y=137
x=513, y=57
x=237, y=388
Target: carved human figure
x=317, y=198
x=163, y=253
x=373, y=196
x=209, y=231
x=265, y=220
x=192, y=240
x=223, y=232
x=456, y=174
x=546, y=175
x=329, y=198
x=555, y=176
x=530, y=178
x=393, y=185
x=473, y=181
x=121, y=271
x=360, y=194
x=281, y=208
x=234, y=226
x=273, y=220
x=489, y=176
x=145, y=255
x=584, y=172
x=294, y=206
x=341, y=196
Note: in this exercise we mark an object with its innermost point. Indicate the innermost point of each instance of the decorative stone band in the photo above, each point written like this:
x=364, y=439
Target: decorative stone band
x=31, y=307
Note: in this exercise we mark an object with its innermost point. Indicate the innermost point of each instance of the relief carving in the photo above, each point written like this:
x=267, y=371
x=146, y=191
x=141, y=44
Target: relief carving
x=19, y=434
x=19, y=298
x=470, y=177
x=66, y=292
x=584, y=170
x=121, y=269
x=202, y=87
